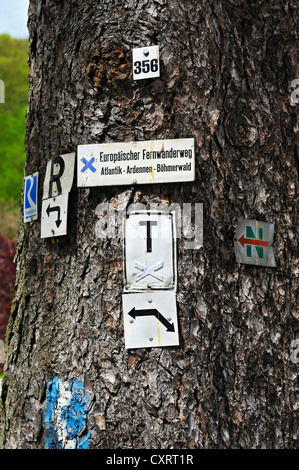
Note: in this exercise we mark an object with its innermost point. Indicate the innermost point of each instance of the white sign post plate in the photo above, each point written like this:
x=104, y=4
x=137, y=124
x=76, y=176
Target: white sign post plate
x=146, y=63
x=57, y=185
x=59, y=175
x=149, y=251
x=30, y=198
x=150, y=320
x=127, y=163
x=54, y=216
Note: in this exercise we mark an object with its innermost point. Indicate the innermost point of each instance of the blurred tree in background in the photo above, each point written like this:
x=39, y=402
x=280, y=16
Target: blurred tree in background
x=7, y=276
x=14, y=73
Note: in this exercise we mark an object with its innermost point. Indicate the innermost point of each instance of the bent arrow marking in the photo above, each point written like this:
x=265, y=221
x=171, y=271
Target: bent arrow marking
x=152, y=312
x=53, y=209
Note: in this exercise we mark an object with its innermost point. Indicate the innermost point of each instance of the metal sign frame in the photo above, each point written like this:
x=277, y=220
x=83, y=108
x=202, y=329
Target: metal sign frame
x=150, y=320
x=142, y=268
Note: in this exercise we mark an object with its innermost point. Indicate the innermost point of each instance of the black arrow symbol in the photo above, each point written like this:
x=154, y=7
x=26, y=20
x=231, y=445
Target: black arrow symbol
x=54, y=209
x=149, y=312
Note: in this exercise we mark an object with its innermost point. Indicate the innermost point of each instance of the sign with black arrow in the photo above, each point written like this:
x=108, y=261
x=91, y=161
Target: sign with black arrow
x=57, y=185
x=152, y=312
x=54, y=216
x=150, y=319
x=55, y=209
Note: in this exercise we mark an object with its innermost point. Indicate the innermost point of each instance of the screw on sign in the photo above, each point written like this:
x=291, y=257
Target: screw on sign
x=254, y=243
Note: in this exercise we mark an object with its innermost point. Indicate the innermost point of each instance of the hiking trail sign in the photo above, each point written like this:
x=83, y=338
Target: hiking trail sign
x=150, y=279
x=149, y=251
x=30, y=198
x=254, y=243
x=57, y=185
x=150, y=320
x=127, y=163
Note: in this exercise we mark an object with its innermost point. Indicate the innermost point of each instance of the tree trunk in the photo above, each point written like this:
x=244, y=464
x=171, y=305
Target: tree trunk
x=226, y=74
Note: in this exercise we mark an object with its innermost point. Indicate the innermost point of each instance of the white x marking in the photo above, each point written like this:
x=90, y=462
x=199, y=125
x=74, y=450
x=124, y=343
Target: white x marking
x=149, y=270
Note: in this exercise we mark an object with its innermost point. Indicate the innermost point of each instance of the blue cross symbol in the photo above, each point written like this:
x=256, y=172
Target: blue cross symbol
x=88, y=165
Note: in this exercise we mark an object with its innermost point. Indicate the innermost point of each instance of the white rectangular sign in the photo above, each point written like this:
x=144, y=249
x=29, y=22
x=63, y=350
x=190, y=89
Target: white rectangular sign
x=149, y=251
x=146, y=63
x=57, y=185
x=54, y=216
x=59, y=175
x=150, y=320
x=127, y=163
x=31, y=198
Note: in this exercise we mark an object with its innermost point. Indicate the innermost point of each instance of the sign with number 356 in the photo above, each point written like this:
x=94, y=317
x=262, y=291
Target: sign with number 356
x=146, y=62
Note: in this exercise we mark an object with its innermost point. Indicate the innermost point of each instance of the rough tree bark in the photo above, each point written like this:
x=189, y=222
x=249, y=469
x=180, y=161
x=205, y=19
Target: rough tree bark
x=226, y=73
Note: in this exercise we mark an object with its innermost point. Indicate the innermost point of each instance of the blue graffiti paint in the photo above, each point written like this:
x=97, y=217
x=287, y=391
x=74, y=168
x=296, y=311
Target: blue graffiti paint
x=52, y=441
x=66, y=415
x=74, y=414
x=84, y=443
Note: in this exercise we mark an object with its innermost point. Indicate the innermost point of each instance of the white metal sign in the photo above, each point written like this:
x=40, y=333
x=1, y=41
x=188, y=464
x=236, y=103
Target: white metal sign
x=54, y=216
x=57, y=185
x=127, y=163
x=146, y=63
x=254, y=243
x=31, y=198
x=149, y=251
x=150, y=320
x=59, y=175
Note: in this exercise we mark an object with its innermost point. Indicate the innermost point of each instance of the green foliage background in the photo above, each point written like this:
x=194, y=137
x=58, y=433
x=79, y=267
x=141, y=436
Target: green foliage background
x=14, y=72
